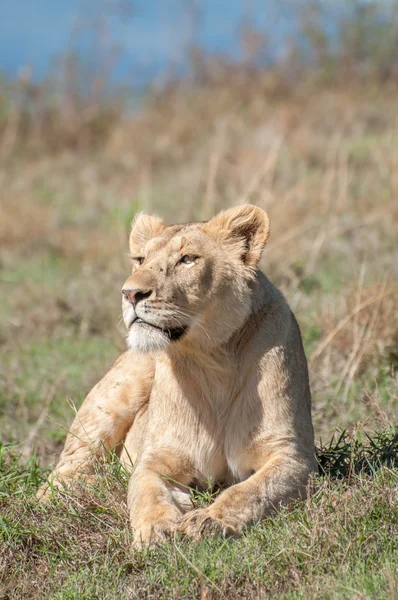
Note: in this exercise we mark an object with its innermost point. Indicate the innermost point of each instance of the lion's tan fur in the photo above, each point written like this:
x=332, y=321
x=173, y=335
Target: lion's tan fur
x=227, y=403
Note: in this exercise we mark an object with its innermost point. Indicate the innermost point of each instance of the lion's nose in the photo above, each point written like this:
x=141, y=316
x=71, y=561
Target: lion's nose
x=136, y=295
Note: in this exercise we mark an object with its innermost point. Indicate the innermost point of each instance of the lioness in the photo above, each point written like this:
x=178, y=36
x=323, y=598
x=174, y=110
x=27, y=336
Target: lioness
x=213, y=389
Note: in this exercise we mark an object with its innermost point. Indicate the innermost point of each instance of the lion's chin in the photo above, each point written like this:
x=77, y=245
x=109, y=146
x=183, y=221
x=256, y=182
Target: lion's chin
x=144, y=338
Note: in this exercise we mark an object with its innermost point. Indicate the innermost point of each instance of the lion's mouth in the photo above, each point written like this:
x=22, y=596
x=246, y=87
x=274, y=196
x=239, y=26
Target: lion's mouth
x=173, y=334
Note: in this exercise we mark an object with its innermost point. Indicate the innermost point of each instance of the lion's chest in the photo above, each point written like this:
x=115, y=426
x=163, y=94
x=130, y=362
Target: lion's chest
x=201, y=419
x=217, y=442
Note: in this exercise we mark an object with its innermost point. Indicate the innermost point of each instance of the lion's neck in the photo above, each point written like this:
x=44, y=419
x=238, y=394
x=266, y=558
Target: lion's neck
x=265, y=299
x=214, y=375
x=219, y=357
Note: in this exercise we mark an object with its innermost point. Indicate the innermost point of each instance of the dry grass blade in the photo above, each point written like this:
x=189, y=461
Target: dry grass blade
x=28, y=446
x=327, y=339
x=202, y=576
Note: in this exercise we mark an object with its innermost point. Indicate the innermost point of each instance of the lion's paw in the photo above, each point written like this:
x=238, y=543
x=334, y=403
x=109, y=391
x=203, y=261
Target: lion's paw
x=155, y=533
x=200, y=522
x=58, y=484
x=44, y=492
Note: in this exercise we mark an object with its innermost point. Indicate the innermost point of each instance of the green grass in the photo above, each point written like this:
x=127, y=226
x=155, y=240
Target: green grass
x=58, y=339
x=342, y=542
x=51, y=374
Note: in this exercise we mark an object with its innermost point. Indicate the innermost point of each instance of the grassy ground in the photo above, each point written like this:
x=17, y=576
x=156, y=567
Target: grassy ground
x=342, y=542
x=324, y=165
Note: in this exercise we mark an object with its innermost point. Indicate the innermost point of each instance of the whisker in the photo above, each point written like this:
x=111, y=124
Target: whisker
x=197, y=321
x=186, y=313
x=174, y=312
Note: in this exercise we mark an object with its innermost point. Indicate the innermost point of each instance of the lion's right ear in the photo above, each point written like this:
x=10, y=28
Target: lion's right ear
x=144, y=227
x=245, y=228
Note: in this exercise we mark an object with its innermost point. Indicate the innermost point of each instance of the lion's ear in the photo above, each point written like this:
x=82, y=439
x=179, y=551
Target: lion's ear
x=247, y=226
x=144, y=227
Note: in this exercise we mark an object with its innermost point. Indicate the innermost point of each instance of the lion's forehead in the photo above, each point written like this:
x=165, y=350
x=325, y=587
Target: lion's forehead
x=177, y=238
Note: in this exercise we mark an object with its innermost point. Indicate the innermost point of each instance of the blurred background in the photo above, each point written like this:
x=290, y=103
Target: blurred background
x=183, y=108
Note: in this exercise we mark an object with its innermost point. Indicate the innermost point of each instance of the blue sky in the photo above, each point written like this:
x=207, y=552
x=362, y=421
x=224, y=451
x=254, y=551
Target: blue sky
x=155, y=34
x=34, y=32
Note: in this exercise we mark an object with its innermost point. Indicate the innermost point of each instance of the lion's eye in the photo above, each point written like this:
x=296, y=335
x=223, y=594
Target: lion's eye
x=187, y=259
x=138, y=259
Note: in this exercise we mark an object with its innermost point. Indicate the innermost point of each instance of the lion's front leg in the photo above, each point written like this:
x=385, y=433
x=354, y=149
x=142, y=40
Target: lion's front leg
x=279, y=481
x=103, y=419
x=158, y=497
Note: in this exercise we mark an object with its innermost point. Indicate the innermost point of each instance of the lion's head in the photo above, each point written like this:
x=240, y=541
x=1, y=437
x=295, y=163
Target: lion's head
x=192, y=282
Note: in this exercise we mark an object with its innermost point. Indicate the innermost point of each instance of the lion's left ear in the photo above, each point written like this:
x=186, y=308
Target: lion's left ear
x=143, y=228
x=247, y=226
